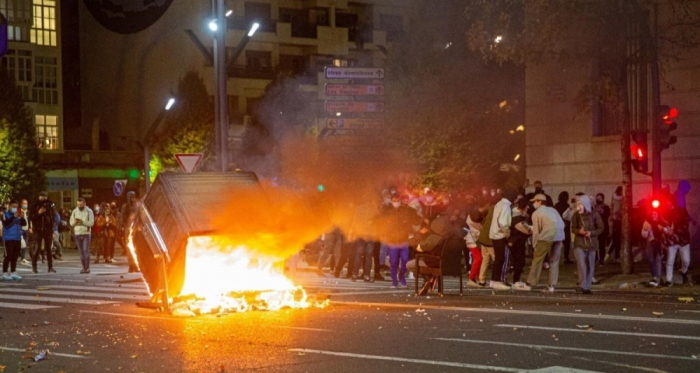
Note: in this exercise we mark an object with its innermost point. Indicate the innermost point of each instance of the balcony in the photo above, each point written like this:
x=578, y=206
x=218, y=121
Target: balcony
x=237, y=23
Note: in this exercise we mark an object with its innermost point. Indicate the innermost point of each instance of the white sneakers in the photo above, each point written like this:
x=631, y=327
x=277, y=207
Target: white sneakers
x=548, y=289
x=521, y=286
x=6, y=277
x=500, y=286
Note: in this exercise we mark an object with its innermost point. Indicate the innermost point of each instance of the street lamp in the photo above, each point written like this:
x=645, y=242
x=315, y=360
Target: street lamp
x=255, y=27
x=147, y=140
x=213, y=26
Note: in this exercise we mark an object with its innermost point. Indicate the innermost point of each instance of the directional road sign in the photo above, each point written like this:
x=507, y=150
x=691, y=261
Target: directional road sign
x=354, y=123
x=355, y=89
x=119, y=186
x=354, y=107
x=354, y=72
x=189, y=161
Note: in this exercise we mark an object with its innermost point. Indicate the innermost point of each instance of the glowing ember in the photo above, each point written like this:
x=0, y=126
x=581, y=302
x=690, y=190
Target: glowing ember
x=227, y=279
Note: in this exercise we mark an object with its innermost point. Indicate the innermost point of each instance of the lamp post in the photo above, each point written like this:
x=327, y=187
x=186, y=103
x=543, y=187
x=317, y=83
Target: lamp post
x=221, y=67
x=147, y=141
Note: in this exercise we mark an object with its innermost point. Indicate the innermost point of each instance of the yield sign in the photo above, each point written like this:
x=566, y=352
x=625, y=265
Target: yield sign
x=189, y=161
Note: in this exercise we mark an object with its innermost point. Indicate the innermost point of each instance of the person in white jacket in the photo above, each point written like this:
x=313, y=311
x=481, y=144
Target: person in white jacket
x=82, y=219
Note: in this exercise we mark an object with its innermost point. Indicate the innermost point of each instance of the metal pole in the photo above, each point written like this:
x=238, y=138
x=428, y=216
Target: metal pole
x=222, y=80
x=655, y=103
x=217, y=120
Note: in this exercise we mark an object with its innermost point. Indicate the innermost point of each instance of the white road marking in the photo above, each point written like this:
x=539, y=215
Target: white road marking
x=74, y=293
x=542, y=347
x=298, y=327
x=141, y=316
x=524, y=312
x=688, y=311
x=599, y=332
x=50, y=353
x=141, y=291
x=405, y=360
x=22, y=306
x=57, y=300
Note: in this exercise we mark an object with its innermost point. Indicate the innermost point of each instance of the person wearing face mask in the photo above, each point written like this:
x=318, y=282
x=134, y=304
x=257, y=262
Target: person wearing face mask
x=397, y=229
x=12, y=223
x=43, y=214
x=603, y=239
x=82, y=219
x=653, y=231
x=587, y=226
x=547, y=237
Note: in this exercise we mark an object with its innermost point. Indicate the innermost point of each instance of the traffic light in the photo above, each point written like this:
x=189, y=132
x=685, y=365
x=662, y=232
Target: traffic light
x=3, y=35
x=666, y=125
x=655, y=204
x=640, y=152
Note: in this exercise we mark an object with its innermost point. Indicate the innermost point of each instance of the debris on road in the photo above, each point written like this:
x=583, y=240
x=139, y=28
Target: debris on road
x=589, y=327
x=624, y=285
x=657, y=313
x=180, y=312
x=686, y=299
x=42, y=288
x=42, y=355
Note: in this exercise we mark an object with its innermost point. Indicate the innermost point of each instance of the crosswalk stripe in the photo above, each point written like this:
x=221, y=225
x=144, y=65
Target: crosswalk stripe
x=141, y=291
x=57, y=300
x=75, y=293
x=23, y=306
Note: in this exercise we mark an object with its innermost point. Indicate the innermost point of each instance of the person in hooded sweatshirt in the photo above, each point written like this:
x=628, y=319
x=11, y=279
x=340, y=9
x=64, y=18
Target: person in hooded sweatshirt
x=561, y=206
x=586, y=225
x=432, y=245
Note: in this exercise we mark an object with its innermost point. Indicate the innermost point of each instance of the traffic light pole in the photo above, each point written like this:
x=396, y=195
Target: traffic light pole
x=655, y=105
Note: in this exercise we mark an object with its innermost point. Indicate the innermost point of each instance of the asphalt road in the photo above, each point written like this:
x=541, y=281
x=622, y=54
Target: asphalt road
x=90, y=324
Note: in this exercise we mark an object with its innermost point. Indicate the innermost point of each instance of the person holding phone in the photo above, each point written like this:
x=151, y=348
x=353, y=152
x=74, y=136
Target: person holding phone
x=82, y=219
x=12, y=223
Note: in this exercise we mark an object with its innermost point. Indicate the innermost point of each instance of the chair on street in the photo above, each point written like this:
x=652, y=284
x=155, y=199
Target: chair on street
x=450, y=264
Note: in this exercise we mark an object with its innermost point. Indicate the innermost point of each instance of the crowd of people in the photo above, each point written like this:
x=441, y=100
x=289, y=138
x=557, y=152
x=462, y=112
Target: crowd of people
x=40, y=231
x=496, y=230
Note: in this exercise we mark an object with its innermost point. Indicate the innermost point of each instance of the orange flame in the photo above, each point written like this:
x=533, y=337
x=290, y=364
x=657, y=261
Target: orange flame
x=227, y=278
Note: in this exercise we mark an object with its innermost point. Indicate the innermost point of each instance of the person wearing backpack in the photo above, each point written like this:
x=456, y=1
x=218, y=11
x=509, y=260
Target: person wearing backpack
x=586, y=225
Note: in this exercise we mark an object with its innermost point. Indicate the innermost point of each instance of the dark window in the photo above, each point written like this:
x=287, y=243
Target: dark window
x=258, y=61
x=319, y=16
x=292, y=64
x=261, y=13
x=393, y=25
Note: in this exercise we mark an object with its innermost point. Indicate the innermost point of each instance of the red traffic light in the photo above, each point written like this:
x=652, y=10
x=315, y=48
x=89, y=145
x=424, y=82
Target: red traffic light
x=637, y=151
x=655, y=203
x=668, y=114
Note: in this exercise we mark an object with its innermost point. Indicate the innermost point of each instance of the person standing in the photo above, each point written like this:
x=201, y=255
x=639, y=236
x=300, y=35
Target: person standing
x=82, y=219
x=43, y=214
x=603, y=239
x=397, y=229
x=616, y=216
x=561, y=206
x=679, y=242
x=653, y=231
x=27, y=233
x=487, y=252
x=107, y=222
x=58, y=253
x=499, y=232
x=363, y=230
x=12, y=223
x=521, y=231
x=474, y=223
x=587, y=226
x=547, y=236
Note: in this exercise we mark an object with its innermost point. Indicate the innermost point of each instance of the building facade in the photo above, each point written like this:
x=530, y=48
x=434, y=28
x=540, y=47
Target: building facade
x=128, y=77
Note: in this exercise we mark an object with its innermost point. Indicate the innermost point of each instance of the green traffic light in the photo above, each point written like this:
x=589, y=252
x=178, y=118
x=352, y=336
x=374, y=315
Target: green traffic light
x=321, y=188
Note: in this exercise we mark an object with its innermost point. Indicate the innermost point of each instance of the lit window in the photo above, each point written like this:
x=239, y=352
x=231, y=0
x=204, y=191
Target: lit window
x=47, y=131
x=44, y=23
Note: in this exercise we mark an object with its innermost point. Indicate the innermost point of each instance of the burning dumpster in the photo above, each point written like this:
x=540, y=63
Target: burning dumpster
x=182, y=254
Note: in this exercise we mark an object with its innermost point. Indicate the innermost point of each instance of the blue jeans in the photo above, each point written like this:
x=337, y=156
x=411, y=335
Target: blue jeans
x=82, y=241
x=654, y=258
x=397, y=252
x=585, y=261
x=365, y=248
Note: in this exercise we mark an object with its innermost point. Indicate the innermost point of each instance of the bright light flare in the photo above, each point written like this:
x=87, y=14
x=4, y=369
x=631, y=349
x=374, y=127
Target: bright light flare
x=213, y=26
x=640, y=154
x=516, y=158
x=520, y=128
x=655, y=203
x=229, y=13
x=498, y=39
x=170, y=103
x=253, y=29
x=227, y=278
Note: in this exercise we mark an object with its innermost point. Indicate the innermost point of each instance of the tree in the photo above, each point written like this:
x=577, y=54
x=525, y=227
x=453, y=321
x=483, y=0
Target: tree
x=188, y=128
x=585, y=34
x=20, y=171
x=447, y=109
